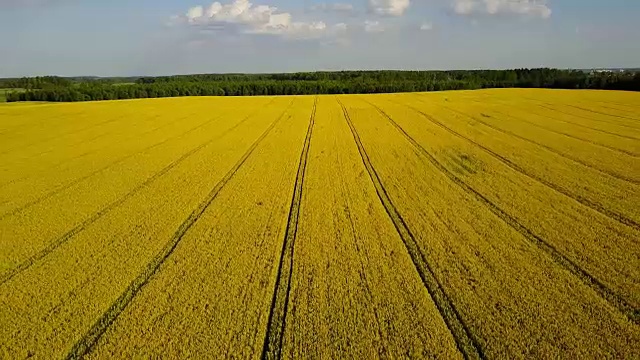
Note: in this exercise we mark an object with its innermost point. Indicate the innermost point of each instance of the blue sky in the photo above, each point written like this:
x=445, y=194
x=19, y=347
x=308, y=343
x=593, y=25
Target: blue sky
x=145, y=37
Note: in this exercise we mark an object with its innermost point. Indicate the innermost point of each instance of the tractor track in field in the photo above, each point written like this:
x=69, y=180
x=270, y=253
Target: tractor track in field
x=82, y=141
x=603, y=113
x=120, y=141
x=272, y=347
x=120, y=160
x=552, y=107
x=571, y=122
x=619, y=104
x=104, y=211
x=63, y=162
x=626, y=111
x=583, y=201
x=74, y=132
x=38, y=122
x=586, y=127
x=626, y=152
x=592, y=282
x=102, y=135
x=576, y=160
x=362, y=271
x=466, y=343
x=87, y=342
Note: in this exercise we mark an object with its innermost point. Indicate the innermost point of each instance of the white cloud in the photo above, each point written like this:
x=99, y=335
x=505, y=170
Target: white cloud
x=372, y=26
x=195, y=13
x=427, y=26
x=341, y=27
x=257, y=19
x=389, y=7
x=337, y=7
x=535, y=8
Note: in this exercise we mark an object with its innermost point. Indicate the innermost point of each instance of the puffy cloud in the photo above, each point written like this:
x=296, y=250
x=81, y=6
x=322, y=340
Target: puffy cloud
x=257, y=19
x=195, y=13
x=341, y=27
x=372, y=26
x=427, y=26
x=336, y=7
x=389, y=7
x=536, y=8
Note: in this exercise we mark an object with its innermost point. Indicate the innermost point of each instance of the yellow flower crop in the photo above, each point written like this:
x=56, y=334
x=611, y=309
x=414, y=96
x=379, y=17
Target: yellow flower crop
x=477, y=224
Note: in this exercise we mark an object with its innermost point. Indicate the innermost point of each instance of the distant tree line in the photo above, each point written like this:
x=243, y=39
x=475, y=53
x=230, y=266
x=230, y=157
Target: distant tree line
x=345, y=82
x=39, y=82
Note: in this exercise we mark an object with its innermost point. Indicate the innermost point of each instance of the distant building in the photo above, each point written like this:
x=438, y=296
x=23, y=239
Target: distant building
x=604, y=71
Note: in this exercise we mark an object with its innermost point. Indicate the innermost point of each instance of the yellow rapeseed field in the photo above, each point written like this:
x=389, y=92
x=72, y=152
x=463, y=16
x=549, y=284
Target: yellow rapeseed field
x=474, y=224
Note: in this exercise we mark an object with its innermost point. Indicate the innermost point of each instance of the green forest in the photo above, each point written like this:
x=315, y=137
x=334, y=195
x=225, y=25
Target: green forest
x=52, y=88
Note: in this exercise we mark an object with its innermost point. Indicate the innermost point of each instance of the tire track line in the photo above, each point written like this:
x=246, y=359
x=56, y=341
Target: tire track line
x=586, y=127
x=84, y=141
x=37, y=122
x=86, y=344
x=626, y=111
x=626, y=106
x=626, y=152
x=107, y=209
x=596, y=285
x=65, y=134
x=574, y=115
x=362, y=271
x=466, y=342
x=578, y=198
x=90, y=152
x=91, y=174
x=272, y=347
x=569, y=157
x=603, y=113
x=65, y=161
x=121, y=160
x=551, y=107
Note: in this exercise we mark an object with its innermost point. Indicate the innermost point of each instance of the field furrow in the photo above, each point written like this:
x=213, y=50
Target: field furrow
x=621, y=166
x=353, y=285
x=534, y=175
x=627, y=145
x=496, y=277
x=632, y=128
x=488, y=224
x=23, y=116
x=552, y=109
x=40, y=141
x=109, y=207
x=550, y=231
x=144, y=122
x=616, y=197
x=96, y=265
x=20, y=195
x=566, y=103
x=90, y=338
x=218, y=285
x=272, y=348
x=31, y=232
x=465, y=341
x=606, y=113
x=18, y=169
x=571, y=119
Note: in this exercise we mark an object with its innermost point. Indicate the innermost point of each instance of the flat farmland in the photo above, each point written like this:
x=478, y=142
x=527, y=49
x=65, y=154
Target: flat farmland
x=467, y=224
